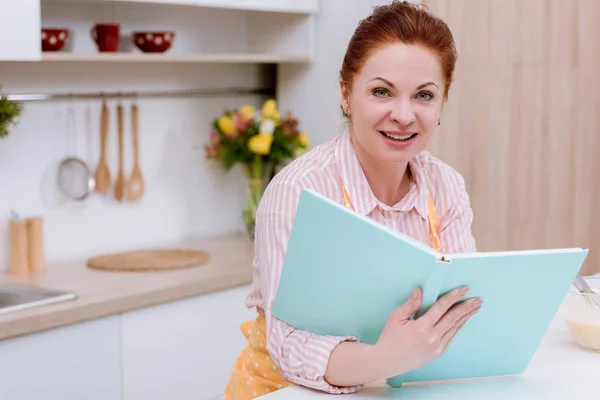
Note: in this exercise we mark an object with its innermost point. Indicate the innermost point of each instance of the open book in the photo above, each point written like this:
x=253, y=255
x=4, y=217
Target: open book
x=344, y=273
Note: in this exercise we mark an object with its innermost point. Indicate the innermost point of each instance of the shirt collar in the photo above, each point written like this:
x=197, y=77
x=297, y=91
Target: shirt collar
x=360, y=193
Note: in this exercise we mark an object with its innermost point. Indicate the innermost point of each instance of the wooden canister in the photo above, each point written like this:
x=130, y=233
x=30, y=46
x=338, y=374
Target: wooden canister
x=35, y=239
x=19, y=257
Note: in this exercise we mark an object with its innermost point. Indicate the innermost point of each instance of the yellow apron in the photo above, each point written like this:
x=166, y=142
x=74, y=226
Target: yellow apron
x=254, y=373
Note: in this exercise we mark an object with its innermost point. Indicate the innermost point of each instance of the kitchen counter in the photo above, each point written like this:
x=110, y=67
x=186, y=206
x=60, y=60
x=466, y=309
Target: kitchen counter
x=101, y=293
x=559, y=370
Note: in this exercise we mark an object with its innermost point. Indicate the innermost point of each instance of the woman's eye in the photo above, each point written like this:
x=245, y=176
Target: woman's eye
x=380, y=92
x=425, y=96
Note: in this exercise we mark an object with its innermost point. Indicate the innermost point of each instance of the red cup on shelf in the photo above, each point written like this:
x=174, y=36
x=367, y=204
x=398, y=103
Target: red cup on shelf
x=106, y=36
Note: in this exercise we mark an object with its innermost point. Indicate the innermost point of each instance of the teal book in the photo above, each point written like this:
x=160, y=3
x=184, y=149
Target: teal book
x=344, y=273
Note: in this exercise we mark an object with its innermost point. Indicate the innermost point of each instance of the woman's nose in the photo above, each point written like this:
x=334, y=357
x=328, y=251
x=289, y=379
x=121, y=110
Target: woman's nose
x=402, y=112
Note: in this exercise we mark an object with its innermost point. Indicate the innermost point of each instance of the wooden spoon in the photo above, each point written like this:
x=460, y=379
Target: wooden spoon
x=135, y=185
x=120, y=183
x=102, y=174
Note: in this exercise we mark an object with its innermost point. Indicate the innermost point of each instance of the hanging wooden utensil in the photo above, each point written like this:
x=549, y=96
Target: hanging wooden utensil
x=120, y=182
x=135, y=185
x=102, y=174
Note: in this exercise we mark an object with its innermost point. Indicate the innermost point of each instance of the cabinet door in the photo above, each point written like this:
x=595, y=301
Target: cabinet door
x=74, y=362
x=185, y=349
x=20, y=30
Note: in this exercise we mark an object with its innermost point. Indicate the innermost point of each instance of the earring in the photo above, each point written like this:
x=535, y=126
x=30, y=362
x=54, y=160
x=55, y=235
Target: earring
x=439, y=122
x=344, y=111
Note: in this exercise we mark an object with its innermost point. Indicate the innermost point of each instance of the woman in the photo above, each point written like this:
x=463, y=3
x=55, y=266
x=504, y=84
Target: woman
x=394, y=81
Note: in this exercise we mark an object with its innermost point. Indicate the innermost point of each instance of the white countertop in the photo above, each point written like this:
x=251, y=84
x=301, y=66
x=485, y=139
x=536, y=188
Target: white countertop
x=559, y=370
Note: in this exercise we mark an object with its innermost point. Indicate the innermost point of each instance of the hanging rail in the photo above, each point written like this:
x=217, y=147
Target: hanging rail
x=140, y=95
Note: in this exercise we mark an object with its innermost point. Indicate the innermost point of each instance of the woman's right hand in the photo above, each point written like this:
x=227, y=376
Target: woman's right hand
x=406, y=344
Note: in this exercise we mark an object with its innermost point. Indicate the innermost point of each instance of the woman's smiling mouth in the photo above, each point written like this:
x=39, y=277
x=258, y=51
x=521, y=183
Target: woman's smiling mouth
x=398, y=136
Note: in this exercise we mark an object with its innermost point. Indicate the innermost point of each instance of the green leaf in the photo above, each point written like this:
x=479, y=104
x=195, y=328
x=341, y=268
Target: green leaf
x=10, y=110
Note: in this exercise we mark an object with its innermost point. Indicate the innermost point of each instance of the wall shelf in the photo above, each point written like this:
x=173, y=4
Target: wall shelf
x=232, y=58
x=206, y=31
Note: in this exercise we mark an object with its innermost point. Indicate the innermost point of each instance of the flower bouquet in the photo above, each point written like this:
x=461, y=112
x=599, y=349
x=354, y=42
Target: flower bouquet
x=262, y=141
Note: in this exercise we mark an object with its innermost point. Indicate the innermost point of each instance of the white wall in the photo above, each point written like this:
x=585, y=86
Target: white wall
x=313, y=91
x=185, y=196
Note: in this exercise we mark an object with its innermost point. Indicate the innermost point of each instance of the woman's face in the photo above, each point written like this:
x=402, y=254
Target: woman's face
x=395, y=102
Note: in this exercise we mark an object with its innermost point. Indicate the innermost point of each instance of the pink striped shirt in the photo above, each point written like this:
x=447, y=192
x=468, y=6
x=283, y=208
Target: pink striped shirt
x=302, y=357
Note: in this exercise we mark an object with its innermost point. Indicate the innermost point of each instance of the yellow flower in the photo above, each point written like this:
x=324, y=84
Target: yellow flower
x=269, y=110
x=303, y=139
x=269, y=107
x=260, y=144
x=247, y=111
x=226, y=125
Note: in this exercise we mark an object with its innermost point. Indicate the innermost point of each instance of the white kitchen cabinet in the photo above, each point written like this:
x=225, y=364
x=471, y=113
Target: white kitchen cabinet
x=278, y=31
x=206, y=31
x=20, y=30
x=74, y=362
x=184, y=349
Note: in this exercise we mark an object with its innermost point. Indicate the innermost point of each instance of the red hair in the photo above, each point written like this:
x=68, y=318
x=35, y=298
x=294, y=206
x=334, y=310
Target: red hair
x=402, y=22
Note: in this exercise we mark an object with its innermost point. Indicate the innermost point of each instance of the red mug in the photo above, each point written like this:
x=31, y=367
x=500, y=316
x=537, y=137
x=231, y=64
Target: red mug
x=106, y=36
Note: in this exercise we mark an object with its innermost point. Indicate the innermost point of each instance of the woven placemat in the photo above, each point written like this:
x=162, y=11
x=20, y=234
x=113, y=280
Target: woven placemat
x=149, y=260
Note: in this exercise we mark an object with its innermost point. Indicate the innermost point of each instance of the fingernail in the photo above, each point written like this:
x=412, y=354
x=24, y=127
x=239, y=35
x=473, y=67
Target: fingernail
x=415, y=294
x=464, y=290
x=476, y=302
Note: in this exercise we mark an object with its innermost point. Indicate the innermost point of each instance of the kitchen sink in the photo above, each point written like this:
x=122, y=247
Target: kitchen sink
x=14, y=297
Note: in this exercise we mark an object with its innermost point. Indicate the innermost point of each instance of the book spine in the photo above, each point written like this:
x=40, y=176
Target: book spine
x=433, y=286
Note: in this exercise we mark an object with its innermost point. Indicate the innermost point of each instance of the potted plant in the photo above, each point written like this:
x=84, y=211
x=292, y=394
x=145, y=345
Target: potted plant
x=262, y=141
x=10, y=110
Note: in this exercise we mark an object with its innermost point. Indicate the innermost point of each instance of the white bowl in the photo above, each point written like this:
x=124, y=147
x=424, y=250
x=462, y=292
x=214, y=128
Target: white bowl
x=582, y=319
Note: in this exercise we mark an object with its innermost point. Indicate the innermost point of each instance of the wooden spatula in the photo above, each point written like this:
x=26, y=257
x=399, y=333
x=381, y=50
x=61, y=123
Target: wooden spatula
x=120, y=183
x=135, y=185
x=102, y=174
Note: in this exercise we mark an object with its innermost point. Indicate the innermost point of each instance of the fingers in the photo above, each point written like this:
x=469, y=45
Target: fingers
x=455, y=314
x=410, y=307
x=437, y=311
x=451, y=333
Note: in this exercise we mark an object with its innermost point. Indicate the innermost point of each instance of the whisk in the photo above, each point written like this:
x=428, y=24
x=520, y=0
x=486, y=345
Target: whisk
x=591, y=298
